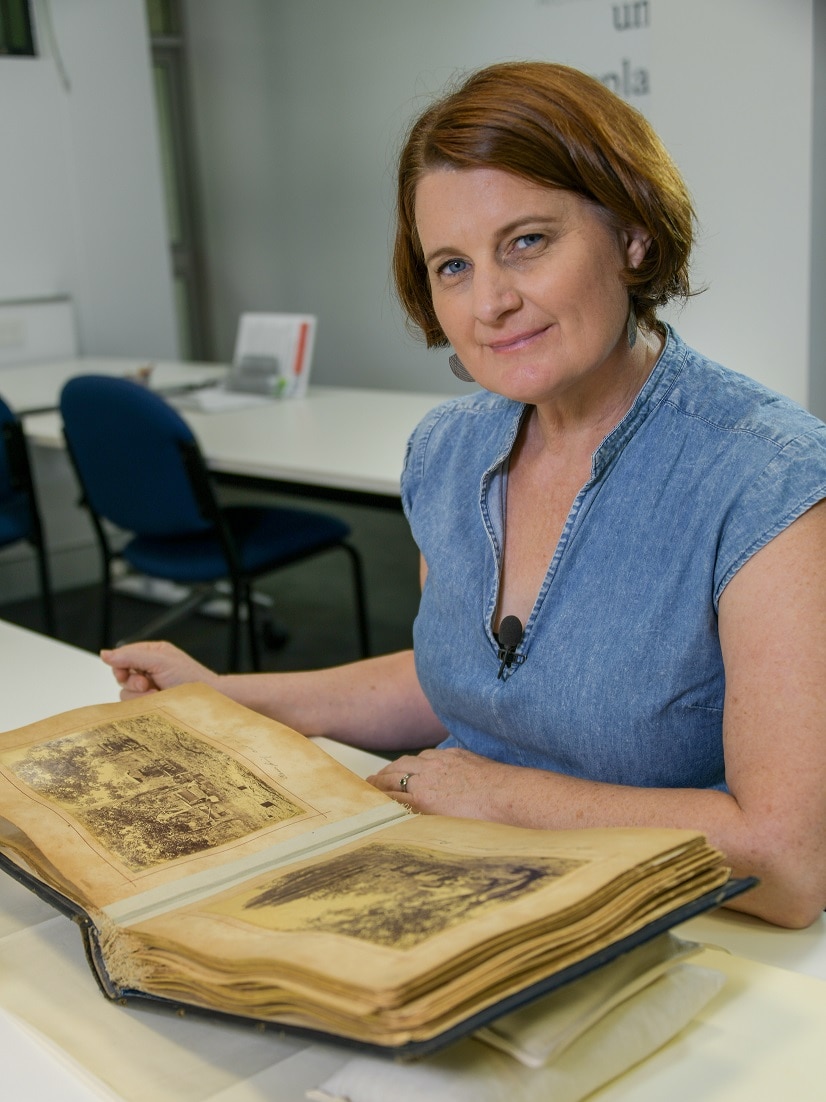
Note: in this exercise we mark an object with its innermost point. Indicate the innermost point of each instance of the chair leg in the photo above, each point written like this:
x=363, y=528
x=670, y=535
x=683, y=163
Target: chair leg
x=235, y=627
x=106, y=606
x=252, y=628
x=155, y=628
x=46, y=595
x=105, y=582
x=361, y=599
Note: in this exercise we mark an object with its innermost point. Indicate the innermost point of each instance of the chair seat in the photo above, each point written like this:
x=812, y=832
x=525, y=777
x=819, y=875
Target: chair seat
x=265, y=537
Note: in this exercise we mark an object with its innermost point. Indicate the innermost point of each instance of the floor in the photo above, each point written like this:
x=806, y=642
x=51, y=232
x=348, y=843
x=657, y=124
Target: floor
x=313, y=601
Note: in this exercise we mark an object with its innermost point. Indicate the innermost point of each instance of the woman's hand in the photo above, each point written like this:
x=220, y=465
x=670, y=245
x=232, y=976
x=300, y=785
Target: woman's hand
x=141, y=668
x=445, y=782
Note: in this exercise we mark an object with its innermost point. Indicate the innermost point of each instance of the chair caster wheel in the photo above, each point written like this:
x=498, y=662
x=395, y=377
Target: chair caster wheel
x=274, y=635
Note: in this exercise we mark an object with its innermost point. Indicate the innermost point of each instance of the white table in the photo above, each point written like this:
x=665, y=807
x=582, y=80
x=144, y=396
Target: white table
x=35, y=387
x=336, y=442
x=760, y=1041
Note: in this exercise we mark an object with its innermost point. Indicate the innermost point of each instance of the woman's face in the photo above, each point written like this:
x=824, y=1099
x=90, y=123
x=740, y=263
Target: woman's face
x=525, y=281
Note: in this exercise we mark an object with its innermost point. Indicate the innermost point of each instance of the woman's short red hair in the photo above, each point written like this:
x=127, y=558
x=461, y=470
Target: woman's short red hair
x=559, y=128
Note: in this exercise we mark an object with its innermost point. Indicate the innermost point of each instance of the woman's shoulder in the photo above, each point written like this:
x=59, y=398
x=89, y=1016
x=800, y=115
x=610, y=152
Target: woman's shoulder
x=733, y=402
x=478, y=413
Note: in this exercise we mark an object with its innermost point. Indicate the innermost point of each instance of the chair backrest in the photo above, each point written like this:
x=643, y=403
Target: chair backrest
x=7, y=476
x=127, y=445
x=19, y=512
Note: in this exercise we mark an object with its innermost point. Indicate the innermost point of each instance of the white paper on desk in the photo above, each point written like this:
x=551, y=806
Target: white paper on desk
x=34, y=1069
x=217, y=399
x=539, y=1032
x=139, y=1053
x=470, y=1071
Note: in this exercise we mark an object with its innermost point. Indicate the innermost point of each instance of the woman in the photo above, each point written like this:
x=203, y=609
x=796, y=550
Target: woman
x=654, y=521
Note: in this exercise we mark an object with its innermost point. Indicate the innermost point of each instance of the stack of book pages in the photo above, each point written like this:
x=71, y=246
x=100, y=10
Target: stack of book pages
x=217, y=860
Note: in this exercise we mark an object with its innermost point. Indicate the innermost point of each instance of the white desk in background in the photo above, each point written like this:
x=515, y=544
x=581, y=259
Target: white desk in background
x=337, y=442
x=760, y=1040
x=35, y=387
x=344, y=442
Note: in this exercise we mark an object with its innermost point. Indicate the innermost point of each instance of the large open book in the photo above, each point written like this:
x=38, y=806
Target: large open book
x=216, y=859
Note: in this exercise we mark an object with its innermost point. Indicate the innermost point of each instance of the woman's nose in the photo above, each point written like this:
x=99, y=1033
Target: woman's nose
x=494, y=293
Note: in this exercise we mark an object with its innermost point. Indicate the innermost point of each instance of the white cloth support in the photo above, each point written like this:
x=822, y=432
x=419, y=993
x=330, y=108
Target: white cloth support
x=537, y=1033
x=472, y=1071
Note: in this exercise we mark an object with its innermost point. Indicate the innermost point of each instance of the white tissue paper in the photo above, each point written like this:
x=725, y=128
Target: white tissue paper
x=580, y=1057
x=537, y=1033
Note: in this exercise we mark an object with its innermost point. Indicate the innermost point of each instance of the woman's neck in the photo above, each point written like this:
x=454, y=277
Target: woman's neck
x=583, y=416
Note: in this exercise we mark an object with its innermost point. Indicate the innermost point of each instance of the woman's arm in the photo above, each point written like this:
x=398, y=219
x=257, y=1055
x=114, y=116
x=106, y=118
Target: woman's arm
x=772, y=822
x=376, y=703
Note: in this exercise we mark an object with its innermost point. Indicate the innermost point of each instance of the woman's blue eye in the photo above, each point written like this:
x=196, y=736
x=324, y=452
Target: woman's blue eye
x=528, y=239
x=454, y=267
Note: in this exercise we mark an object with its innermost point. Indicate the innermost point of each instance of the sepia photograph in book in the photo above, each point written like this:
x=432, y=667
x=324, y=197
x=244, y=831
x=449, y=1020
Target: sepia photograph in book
x=216, y=859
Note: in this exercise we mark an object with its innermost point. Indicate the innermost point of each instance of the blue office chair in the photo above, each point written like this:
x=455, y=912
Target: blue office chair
x=140, y=469
x=19, y=512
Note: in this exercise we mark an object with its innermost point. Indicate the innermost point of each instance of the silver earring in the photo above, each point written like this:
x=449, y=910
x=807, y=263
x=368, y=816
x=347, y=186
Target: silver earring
x=631, y=327
x=459, y=369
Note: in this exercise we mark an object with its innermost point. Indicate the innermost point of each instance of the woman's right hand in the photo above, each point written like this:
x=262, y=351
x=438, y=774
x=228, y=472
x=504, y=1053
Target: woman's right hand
x=141, y=668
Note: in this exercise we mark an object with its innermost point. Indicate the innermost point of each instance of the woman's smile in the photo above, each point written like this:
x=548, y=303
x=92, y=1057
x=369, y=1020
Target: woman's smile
x=519, y=341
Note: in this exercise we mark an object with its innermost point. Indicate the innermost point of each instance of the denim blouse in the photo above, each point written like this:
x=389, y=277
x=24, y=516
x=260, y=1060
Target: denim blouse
x=619, y=675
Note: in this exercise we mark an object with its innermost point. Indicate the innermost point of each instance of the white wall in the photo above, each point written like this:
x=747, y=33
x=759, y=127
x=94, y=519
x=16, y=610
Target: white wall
x=734, y=104
x=83, y=215
x=299, y=106
x=80, y=188
x=298, y=111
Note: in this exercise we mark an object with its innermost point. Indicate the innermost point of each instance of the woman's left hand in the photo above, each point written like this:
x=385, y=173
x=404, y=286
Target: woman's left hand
x=444, y=782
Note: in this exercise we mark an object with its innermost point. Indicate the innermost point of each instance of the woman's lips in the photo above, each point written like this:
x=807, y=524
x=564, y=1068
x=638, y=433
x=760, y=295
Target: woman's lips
x=518, y=341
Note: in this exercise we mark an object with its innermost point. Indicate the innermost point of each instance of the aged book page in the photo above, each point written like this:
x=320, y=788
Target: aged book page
x=399, y=936
x=118, y=800
x=226, y=862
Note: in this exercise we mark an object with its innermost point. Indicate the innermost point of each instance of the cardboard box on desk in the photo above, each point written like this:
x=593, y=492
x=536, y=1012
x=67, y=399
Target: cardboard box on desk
x=273, y=355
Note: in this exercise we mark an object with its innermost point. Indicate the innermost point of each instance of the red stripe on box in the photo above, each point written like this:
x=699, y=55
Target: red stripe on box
x=303, y=330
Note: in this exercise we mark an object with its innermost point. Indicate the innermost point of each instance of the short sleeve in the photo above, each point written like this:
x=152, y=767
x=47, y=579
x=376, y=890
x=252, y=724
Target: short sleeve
x=790, y=483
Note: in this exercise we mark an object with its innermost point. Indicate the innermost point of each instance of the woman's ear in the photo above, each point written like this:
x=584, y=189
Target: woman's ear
x=637, y=241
